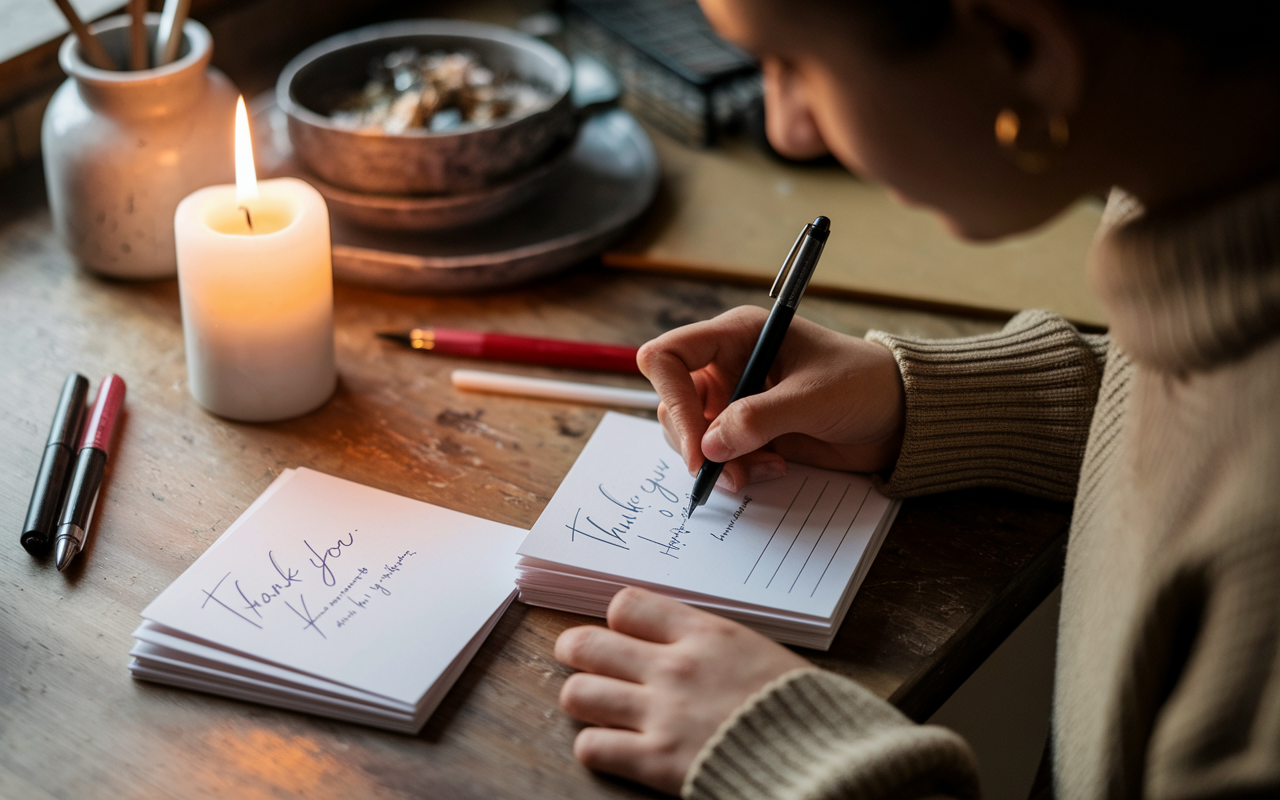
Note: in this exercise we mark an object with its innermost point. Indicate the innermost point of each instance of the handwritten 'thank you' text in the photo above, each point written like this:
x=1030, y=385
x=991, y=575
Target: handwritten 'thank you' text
x=320, y=560
x=249, y=603
x=625, y=512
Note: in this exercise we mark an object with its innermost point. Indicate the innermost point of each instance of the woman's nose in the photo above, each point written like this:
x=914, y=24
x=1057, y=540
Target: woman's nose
x=789, y=123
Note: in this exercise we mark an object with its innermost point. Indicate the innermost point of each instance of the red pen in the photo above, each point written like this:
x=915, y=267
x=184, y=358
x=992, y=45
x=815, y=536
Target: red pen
x=91, y=462
x=526, y=349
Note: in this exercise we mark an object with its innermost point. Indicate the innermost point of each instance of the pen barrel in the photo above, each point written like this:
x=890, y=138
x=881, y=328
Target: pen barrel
x=806, y=261
x=560, y=353
x=751, y=382
x=527, y=349
x=85, y=483
x=766, y=349
x=50, y=491
x=69, y=416
x=788, y=288
x=46, y=498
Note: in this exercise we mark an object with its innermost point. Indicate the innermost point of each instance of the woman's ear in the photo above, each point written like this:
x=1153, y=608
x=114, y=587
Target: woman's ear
x=788, y=120
x=1037, y=43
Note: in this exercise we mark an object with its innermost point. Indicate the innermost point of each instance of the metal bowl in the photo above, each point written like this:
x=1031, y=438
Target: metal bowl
x=319, y=78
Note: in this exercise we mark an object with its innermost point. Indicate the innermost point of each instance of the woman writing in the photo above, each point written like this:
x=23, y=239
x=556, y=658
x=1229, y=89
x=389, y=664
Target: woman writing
x=997, y=115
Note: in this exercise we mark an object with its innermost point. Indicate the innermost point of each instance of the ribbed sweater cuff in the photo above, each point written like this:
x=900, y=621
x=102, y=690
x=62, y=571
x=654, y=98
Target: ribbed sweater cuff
x=812, y=734
x=1009, y=409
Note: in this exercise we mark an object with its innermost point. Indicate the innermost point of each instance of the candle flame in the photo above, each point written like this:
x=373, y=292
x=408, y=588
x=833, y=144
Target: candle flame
x=246, y=177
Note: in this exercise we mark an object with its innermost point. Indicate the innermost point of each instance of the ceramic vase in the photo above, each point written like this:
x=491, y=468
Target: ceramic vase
x=122, y=148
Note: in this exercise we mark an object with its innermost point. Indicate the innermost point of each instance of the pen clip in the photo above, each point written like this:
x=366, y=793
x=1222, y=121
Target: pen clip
x=786, y=264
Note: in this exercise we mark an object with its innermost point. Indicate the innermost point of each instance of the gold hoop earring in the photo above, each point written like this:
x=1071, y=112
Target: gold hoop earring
x=1009, y=130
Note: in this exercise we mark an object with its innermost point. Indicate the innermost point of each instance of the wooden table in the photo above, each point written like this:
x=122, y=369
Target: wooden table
x=956, y=573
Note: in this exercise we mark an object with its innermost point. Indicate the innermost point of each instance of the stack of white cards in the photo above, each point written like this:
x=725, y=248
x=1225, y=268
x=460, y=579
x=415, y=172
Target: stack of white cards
x=784, y=557
x=332, y=598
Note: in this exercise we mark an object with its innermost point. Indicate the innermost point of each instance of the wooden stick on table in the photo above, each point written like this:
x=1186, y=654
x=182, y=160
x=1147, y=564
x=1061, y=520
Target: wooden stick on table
x=94, y=52
x=137, y=34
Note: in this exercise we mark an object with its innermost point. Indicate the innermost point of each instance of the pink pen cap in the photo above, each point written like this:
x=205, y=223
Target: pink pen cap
x=102, y=420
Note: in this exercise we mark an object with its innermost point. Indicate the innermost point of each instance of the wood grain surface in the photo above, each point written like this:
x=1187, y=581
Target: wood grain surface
x=956, y=573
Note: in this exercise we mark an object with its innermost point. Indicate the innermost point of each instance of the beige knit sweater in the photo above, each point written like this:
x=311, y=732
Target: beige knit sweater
x=1168, y=437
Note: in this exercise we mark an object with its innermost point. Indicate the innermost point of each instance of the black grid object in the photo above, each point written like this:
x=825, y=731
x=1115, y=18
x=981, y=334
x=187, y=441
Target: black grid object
x=676, y=73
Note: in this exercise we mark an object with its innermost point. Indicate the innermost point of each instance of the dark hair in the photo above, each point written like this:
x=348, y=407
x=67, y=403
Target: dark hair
x=1221, y=33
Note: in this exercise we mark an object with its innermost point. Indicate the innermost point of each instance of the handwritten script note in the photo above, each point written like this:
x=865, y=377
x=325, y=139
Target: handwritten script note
x=348, y=583
x=790, y=545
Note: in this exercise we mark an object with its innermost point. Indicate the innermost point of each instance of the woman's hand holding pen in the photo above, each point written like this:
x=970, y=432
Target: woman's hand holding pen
x=663, y=676
x=831, y=400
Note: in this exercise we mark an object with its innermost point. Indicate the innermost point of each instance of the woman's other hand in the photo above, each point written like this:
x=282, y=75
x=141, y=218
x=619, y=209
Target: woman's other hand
x=831, y=400
x=657, y=683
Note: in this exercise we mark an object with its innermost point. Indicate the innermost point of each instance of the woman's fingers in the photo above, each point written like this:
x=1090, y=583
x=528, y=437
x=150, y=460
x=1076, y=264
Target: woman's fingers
x=681, y=409
x=834, y=400
x=598, y=700
x=635, y=756
x=649, y=616
x=695, y=370
x=605, y=652
x=692, y=668
x=668, y=362
x=741, y=472
x=671, y=361
x=753, y=422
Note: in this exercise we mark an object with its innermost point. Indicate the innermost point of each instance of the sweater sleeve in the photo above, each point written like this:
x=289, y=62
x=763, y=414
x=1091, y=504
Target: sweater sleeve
x=1009, y=409
x=813, y=735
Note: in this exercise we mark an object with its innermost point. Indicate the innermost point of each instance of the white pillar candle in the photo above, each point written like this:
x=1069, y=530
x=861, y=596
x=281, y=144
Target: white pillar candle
x=257, y=296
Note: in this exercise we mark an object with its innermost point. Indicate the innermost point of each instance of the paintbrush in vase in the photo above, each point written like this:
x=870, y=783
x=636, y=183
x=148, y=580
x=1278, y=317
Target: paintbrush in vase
x=137, y=34
x=93, y=50
x=169, y=36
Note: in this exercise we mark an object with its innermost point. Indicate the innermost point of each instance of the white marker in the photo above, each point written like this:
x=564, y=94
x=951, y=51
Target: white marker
x=473, y=380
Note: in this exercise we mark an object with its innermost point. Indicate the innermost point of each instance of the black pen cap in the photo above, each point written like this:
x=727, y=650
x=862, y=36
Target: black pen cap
x=55, y=467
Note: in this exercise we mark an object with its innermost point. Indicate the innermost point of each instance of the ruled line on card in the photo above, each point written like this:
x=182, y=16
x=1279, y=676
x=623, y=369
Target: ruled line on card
x=775, y=530
x=818, y=541
x=799, y=531
x=842, y=538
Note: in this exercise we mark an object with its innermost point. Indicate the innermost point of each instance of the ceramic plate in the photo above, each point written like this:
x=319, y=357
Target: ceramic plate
x=436, y=212
x=608, y=180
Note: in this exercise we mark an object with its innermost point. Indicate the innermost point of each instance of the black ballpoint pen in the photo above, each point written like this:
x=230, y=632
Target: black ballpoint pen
x=788, y=288
x=55, y=468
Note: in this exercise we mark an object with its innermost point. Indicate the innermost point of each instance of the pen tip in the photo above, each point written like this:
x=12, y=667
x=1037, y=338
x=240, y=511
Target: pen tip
x=63, y=554
x=693, y=503
x=398, y=338
x=822, y=224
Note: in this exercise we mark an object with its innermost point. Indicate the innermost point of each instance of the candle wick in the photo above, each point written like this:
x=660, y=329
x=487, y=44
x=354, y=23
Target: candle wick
x=247, y=217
